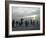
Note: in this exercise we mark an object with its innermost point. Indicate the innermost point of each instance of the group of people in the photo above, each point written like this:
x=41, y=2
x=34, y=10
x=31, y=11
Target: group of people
x=25, y=22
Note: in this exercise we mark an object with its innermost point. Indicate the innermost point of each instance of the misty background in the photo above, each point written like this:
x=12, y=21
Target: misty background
x=27, y=13
x=18, y=12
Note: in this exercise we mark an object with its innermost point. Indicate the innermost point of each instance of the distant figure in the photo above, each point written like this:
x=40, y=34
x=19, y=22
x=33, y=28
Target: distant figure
x=22, y=20
x=30, y=21
x=26, y=23
x=33, y=22
x=20, y=23
x=16, y=22
x=37, y=21
x=13, y=22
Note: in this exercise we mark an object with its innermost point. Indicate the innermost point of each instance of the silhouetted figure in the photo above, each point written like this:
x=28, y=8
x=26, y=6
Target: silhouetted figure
x=13, y=22
x=33, y=22
x=26, y=23
x=30, y=21
x=16, y=22
x=37, y=22
x=20, y=24
x=22, y=20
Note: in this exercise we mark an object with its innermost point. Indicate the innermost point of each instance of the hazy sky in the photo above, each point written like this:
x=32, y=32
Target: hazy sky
x=25, y=11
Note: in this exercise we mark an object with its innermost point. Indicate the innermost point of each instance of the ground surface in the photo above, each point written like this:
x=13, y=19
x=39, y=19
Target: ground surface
x=29, y=27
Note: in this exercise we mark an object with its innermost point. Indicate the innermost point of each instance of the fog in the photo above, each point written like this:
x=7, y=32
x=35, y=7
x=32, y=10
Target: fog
x=25, y=12
x=28, y=14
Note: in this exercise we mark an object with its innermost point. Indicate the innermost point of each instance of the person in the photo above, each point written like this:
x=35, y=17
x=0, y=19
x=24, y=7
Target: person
x=33, y=22
x=26, y=23
x=37, y=21
x=30, y=21
x=13, y=22
x=16, y=22
x=21, y=22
